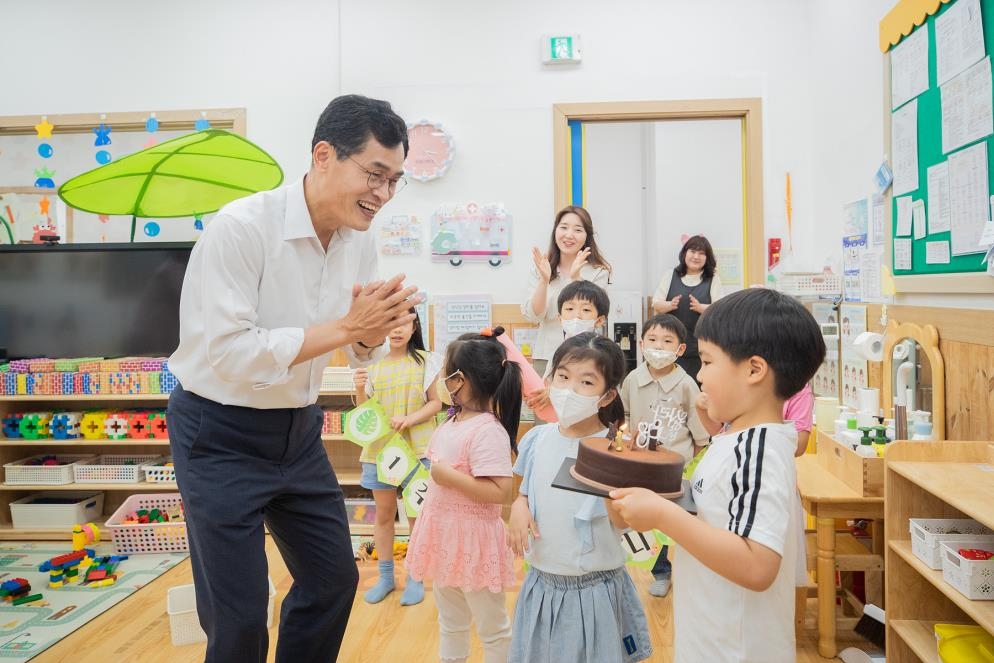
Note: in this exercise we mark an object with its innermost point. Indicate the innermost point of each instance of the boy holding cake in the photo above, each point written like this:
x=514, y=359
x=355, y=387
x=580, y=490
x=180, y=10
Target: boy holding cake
x=661, y=385
x=735, y=598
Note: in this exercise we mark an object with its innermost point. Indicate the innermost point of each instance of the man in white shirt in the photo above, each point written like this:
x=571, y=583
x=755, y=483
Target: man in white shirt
x=278, y=281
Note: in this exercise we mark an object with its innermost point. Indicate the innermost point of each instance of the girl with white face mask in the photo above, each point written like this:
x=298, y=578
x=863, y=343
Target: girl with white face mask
x=577, y=602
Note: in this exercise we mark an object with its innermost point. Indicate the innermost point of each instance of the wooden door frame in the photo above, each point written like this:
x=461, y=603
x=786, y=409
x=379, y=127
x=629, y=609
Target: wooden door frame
x=747, y=110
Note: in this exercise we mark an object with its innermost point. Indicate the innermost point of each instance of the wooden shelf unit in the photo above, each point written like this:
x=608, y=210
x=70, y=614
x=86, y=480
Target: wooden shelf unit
x=344, y=454
x=931, y=480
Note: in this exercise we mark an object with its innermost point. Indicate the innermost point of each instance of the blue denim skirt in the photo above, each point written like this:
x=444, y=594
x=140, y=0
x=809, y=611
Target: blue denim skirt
x=593, y=618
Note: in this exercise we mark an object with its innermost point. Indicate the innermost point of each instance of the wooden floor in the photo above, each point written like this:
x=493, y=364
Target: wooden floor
x=137, y=629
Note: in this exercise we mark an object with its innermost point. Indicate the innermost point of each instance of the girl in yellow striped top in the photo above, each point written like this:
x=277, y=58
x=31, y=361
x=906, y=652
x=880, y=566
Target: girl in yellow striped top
x=403, y=382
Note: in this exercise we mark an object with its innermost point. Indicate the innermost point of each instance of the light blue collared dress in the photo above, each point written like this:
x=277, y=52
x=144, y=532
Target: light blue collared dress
x=577, y=604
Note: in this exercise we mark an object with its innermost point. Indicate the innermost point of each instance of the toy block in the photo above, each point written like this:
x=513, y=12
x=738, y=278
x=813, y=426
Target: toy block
x=157, y=421
x=12, y=424
x=27, y=599
x=96, y=574
x=116, y=426
x=93, y=425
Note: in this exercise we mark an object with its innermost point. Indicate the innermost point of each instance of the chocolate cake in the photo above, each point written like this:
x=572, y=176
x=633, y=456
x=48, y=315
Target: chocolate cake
x=600, y=464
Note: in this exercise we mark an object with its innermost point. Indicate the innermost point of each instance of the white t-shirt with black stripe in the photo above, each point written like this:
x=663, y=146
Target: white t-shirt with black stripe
x=745, y=483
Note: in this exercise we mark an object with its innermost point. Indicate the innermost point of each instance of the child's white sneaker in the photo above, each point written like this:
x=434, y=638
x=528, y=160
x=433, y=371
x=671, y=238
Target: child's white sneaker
x=660, y=586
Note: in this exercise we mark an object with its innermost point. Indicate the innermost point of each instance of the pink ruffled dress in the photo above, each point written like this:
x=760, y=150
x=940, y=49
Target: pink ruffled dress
x=458, y=542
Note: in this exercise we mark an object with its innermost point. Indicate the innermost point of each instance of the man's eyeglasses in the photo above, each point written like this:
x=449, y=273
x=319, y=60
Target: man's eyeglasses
x=376, y=180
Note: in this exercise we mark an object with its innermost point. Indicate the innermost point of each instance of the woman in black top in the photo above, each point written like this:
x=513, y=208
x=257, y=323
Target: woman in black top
x=691, y=288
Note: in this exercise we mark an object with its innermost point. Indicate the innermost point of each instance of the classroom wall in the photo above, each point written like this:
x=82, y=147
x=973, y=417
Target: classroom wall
x=475, y=67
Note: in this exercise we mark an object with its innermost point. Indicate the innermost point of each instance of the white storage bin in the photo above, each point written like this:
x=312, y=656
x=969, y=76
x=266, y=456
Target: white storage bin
x=973, y=578
x=159, y=472
x=112, y=468
x=19, y=472
x=184, y=624
x=928, y=533
x=56, y=510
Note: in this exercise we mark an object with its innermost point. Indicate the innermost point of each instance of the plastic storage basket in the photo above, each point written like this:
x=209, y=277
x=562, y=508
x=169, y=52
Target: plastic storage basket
x=19, y=472
x=811, y=284
x=337, y=378
x=928, y=533
x=112, y=468
x=136, y=538
x=184, y=623
x=157, y=472
x=973, y=578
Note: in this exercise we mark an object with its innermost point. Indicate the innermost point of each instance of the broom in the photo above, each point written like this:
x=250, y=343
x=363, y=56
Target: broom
x=872, y=625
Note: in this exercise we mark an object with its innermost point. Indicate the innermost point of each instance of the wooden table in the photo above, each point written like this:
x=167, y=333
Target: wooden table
x=826, y=498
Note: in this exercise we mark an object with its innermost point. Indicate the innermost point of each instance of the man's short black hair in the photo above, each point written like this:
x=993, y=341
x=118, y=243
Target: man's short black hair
x=767, y=324
x=668, y=322
x=585, y=291
x=349, y=121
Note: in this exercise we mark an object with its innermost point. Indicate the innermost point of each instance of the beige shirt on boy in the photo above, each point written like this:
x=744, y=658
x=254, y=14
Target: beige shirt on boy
x=640, y=393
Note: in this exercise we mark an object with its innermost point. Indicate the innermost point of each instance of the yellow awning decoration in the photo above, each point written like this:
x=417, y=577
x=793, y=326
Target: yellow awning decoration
x=903, y=18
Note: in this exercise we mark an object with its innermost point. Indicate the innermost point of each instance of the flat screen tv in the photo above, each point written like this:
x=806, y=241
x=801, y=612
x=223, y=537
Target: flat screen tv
x=90, y=300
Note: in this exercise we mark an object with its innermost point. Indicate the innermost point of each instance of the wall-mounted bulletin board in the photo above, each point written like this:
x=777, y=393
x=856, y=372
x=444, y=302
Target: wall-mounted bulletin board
x=940, y=134
x=38, y=153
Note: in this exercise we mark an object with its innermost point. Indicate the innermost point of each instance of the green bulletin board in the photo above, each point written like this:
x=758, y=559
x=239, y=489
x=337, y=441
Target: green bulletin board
x=930, y=154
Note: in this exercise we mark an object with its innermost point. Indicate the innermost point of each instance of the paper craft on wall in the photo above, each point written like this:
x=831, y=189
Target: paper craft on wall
x=826, y=380
x=471, y=232
x=401, y=236
x=27, y=217
x=852, y=254
x=459, y=314
x=43, y=152
x=854, y=369
x=729, y=266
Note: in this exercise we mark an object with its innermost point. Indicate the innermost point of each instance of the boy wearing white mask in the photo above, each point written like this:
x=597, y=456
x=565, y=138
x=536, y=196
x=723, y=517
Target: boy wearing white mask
x=660, y=382
x=583, y=307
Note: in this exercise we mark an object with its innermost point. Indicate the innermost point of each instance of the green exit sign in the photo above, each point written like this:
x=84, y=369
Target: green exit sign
x=558, y=49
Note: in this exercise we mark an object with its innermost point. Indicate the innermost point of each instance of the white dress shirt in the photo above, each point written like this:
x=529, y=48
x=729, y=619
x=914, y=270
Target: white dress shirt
x=256, y=279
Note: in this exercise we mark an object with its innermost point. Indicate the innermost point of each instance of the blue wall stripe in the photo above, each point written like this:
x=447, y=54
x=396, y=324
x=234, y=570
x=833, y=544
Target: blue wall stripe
x=576, y=161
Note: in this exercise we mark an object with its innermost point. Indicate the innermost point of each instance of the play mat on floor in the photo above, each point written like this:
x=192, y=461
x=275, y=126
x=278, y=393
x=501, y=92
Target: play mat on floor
x=27, y=630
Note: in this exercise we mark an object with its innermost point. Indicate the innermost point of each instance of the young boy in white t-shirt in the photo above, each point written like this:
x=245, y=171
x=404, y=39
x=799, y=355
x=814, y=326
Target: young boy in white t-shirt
x=736, y=558
x=583, y=306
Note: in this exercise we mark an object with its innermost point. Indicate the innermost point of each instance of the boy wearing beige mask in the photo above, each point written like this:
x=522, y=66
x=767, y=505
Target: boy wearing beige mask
x=659, y=384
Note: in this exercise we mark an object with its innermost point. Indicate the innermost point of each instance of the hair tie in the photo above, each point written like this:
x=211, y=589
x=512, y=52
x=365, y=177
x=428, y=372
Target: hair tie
x=503, y=362
x=486, y=331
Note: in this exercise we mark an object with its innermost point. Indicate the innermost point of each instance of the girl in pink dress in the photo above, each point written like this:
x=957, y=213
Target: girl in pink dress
x=459, y=540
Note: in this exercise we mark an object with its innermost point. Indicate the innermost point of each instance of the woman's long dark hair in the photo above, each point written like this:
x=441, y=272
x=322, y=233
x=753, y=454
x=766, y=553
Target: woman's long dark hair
x=491, y=375
x=416, y=344
x=698, y=243
x=555, y=257
x=609, y=361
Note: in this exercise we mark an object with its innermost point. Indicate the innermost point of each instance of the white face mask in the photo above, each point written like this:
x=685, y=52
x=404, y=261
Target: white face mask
x=658, y=358
x=577, y=326
x=571, y=407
